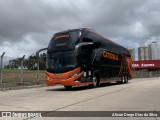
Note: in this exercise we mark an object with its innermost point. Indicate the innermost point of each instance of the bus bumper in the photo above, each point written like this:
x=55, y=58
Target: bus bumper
x=71, y=78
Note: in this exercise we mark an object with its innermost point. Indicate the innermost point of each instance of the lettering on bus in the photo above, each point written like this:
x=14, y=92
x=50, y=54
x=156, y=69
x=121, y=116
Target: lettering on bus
x=110, y=55
x=62, y=36
x=61, y=44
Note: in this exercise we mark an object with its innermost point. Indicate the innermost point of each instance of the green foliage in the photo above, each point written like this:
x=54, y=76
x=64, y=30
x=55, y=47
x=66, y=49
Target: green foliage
x=30, y=63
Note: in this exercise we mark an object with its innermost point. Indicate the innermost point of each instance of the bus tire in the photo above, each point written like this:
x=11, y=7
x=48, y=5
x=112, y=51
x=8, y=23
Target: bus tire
x=123, y=79
x=68, y=87
x=95, y=81
x=126, y=78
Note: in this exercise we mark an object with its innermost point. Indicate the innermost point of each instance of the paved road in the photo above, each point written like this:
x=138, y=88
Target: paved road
x=137, y=95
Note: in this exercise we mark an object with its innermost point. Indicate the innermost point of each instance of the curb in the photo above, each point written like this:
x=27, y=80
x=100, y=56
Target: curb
x=21, y=85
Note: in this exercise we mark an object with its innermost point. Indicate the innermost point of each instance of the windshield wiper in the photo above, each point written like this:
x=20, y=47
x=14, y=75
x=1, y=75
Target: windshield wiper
x=68, y=66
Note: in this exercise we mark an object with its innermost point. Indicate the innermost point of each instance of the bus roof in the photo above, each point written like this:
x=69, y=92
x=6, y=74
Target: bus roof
x=89, y=30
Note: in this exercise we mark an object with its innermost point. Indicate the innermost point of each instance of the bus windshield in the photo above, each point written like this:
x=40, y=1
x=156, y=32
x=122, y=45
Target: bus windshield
x=61, y=40
x=61, y=61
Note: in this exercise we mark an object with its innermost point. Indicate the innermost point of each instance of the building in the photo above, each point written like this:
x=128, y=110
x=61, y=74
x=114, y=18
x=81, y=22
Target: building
x=143, y=53
x=154, y=50
x=132, y=50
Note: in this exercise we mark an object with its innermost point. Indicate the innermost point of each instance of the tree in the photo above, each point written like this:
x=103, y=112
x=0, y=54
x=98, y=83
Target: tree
x=29, y=63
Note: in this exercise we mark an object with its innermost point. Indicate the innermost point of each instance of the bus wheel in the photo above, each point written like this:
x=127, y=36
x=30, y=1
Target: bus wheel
x=95, y=82
x=126, y=78
x=123, y=79
x=68, y=87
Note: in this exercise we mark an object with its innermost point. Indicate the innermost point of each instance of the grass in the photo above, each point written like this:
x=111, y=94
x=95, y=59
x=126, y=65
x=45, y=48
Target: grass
x=145, y=74
x=14, y=75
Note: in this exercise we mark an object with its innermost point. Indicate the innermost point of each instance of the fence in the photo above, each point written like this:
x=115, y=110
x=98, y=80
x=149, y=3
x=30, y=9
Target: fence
x=16, y=75
x=31, y=70
x=145, y=73
x=22, y=71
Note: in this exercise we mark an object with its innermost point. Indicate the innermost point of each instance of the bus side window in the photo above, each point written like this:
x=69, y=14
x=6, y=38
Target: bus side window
x=87, y=40
x=86, y=52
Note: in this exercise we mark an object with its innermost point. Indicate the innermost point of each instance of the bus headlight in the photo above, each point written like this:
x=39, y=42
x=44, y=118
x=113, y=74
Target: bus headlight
x=74, y=75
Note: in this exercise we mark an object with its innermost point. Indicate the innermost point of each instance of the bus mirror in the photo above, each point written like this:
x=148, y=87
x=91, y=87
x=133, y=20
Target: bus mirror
x=78, y=46
x=37, y=53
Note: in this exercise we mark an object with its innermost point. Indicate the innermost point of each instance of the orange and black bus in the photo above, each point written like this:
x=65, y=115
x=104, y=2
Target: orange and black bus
x=82, y=57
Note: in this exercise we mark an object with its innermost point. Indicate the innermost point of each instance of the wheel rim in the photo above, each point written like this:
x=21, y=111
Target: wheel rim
x=123, y=79
x=94, y=81
x=126, y=79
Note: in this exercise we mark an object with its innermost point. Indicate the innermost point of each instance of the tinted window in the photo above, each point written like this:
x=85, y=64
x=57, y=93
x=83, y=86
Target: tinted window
x=63, y=40
x=61, y=60
x=92, y=36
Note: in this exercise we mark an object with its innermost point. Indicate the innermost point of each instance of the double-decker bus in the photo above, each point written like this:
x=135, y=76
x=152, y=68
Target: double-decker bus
x=82, y=57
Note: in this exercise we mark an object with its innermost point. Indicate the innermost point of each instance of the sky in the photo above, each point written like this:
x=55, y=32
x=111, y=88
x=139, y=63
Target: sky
x=28, y=25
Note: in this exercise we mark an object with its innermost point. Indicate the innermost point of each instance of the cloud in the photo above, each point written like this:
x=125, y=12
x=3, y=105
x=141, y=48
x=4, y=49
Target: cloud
x=26, y=26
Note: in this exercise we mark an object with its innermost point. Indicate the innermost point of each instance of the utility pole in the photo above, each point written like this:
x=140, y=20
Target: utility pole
x=22, y=68
x=1, y=67
x=37, y=55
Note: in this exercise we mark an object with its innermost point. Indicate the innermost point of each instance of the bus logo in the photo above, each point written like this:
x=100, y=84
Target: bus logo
x=110, y=55
x=62, y=36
